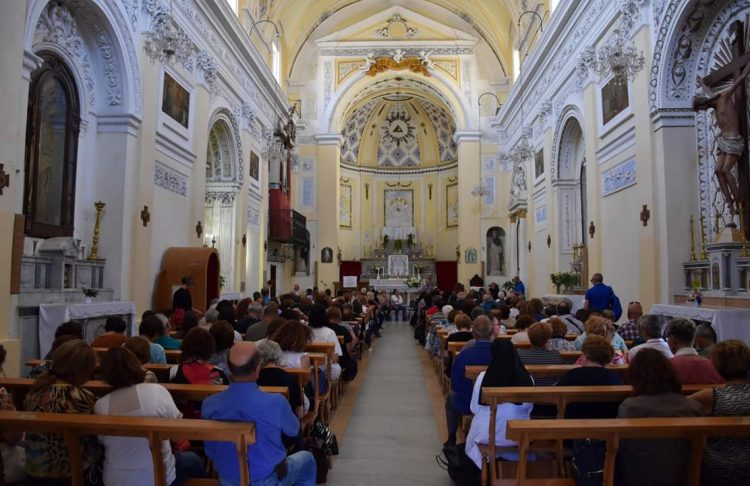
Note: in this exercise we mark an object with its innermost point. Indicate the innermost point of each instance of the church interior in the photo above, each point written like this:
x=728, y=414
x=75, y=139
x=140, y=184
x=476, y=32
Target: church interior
x=425, y=168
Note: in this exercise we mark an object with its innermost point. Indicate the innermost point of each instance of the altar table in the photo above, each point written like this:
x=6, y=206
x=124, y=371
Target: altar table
x=729, y=323
x=389, y=284
x=52, y=315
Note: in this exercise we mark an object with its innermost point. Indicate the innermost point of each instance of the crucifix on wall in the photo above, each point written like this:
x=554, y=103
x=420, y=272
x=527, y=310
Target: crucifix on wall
x=730, y=109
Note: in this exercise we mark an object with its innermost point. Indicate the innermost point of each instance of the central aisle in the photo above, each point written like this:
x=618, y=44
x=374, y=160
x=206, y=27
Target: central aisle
x=392, y=436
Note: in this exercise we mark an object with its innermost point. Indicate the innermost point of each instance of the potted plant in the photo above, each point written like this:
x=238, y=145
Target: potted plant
x=385, y=241
x=695, y=297
x=567, y=279
x=89, y=294
x=508, y=285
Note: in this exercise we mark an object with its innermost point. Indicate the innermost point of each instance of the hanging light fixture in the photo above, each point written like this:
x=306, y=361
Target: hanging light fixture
x=619, y=58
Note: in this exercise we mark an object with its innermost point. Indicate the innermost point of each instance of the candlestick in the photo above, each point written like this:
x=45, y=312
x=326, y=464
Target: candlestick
x=94, y=255
x=692, y=239
x=743, y=252
x=704, y=255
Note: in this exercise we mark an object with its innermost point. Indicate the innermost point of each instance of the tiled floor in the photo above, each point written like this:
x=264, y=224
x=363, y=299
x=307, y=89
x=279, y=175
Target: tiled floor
x=391, y=437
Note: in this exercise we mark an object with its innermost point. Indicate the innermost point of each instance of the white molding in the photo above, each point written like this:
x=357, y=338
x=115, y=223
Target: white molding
x=329, y=139
x=129, y=124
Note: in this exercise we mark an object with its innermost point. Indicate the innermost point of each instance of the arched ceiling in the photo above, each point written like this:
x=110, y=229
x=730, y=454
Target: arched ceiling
x=493, y=21
x=398, y=130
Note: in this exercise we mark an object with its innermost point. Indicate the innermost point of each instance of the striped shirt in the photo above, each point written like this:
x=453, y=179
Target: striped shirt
x=540, y=356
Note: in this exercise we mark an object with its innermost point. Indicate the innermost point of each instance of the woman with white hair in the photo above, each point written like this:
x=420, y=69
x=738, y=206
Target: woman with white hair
x=272, y=373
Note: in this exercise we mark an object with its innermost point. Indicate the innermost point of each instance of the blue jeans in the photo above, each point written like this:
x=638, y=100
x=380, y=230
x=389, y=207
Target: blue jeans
x=301, y=471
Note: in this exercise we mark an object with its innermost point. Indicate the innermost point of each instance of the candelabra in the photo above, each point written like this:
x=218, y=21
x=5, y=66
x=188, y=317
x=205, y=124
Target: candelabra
x=94, y=255
x=704, y=254
x=692, y=239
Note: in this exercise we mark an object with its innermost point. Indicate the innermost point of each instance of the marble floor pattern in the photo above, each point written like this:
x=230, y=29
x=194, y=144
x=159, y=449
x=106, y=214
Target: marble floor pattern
x=391, y=436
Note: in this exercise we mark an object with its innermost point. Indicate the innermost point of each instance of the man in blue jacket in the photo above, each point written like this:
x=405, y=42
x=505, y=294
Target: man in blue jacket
x=458, y=401
x=243, y=401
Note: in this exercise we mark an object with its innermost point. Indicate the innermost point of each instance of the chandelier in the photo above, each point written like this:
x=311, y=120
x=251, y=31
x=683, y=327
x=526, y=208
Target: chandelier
x=399, y=204
x=480, y=191
x=619, y=58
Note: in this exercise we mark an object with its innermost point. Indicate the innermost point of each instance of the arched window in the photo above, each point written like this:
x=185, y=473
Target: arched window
x=219, y=159
x=52, y=130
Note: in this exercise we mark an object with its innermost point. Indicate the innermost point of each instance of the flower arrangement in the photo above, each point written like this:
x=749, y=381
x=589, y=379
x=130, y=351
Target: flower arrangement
x=508, y=285
x=413, y=282
x=398, y=245
x=568, y=279
x=695, y=297
x=410, y=240
x=385, y=241
x=90, y=293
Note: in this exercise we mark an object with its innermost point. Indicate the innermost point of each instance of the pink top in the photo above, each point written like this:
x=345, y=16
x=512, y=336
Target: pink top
x=696, y=370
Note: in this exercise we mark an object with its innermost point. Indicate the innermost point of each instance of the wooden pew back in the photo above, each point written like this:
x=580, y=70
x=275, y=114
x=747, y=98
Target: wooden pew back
x=73, y=426
x=696, y=429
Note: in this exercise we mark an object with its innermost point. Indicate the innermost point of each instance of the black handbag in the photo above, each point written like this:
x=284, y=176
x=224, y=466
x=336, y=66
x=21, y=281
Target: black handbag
x=588, y=462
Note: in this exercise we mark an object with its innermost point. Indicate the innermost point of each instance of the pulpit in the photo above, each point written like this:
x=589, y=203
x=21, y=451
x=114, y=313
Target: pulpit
x=200, y=263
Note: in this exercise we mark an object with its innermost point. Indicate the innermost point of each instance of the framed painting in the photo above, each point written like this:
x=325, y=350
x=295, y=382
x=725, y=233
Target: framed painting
x=175, y=101
x=615, y=99
x=254, y=166
x=398, y=208
x=539, y=164
x=345, y=206
x=451, y=205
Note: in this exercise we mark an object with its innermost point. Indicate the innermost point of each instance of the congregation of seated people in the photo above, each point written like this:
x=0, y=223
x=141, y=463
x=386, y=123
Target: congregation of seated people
x=244, y=345
x=507, y=335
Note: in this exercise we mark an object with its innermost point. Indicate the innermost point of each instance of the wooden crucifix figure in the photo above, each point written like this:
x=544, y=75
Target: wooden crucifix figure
x=730, y=110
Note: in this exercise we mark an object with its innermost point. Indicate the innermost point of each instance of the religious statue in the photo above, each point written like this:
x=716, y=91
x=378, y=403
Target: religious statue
x=730, y=140
x=495, y=252
x=424, y=56
x=398, y=56
x=369, y=61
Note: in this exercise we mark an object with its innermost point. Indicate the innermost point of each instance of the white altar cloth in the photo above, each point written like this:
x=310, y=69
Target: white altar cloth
x=399, y=232
x=52, y=315
x=389, y=284
x=728, y=323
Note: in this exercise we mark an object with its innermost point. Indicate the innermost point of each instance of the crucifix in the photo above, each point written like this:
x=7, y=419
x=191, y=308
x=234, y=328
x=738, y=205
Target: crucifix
x=730, y=110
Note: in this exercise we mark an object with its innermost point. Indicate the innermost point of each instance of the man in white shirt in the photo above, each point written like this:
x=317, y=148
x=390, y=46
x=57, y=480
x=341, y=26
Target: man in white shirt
x=651, y=328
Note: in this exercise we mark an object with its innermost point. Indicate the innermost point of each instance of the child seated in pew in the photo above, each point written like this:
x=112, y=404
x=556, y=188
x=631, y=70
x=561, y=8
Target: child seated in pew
x=140, y=348
x=128, y=460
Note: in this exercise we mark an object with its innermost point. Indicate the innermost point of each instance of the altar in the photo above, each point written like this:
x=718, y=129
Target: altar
x=89, y=315
x=400, y=232
x=389, y=285
x=729, y=323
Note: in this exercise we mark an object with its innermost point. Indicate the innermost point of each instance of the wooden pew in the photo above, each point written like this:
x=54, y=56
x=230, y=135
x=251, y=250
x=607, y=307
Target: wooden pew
x=73, y=426
x=542, y=371
x=696, y=429
x=173, y=355
x=19, y=387
x=560, y=396
x=160, y=370
x=455, y=347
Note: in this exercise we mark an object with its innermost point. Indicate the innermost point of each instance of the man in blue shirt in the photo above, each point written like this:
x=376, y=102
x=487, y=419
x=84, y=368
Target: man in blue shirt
x=272, y=415
x=599, y=297
x=458, y=401
x=518, y=286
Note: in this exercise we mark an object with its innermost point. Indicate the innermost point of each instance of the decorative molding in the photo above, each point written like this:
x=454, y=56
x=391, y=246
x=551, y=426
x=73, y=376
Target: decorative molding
x=163, y=26
x=385, y=31
x=619, y=177
x=377, y=52
x=400, y=172
x=57, y=25
x=169, y=179
x=209, y=67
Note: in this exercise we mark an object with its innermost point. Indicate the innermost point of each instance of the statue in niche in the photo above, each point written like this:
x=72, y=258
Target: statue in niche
x=326, y=255
x=495, y=251
x=301, y=255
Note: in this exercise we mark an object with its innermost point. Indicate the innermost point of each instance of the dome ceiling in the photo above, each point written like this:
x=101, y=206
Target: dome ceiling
x=399, y=131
